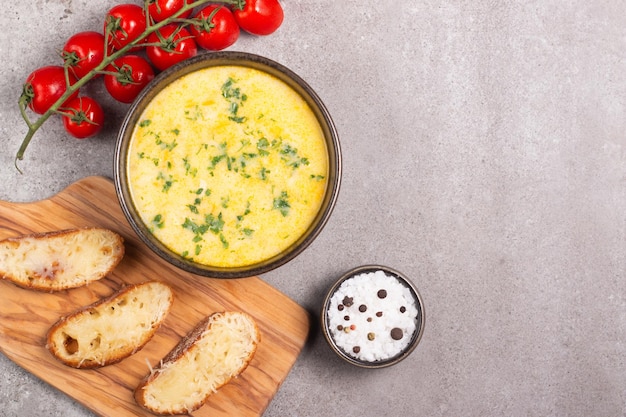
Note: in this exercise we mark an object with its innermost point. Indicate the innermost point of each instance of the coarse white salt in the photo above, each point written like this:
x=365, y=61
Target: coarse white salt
x=372, y=316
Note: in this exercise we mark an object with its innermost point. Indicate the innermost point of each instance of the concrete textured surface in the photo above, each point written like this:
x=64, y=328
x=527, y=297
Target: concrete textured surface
x=484, y=152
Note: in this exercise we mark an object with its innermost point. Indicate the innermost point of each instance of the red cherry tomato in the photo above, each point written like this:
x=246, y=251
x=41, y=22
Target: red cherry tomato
x=124, y=23
x=45, y=86
x=83, y=52
x=216, y=28
x=160, y=10
x=127, y=76
x=83, y=117
x=260, y=17
x=175, y=44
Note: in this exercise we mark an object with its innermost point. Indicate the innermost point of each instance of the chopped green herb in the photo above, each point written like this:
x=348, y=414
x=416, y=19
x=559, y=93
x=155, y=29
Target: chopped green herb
x=142, y=155
x=215, y=224
x=281, y=203
x=244, y=142
x=194, y=115
x=263, y=146
x=197, y=229
x=216, y=160
x=224, y=241
x=288, y=150
x=202, y=147
x=145, y=123
x=237, y=119
x=223, y=155
x=189, y=170
x=229, y=91
x=245, y=213
x=157, y=221
x=263, y=173
x=167, y=181
x=235, y=98
x=291, y=158
x=165, y=145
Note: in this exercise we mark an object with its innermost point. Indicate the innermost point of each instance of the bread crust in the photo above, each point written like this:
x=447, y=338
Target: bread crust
x=60, y=260
x=64, y=339
x=186, y=345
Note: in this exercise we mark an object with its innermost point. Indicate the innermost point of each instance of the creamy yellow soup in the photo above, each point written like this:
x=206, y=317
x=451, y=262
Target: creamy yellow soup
x=228, y=166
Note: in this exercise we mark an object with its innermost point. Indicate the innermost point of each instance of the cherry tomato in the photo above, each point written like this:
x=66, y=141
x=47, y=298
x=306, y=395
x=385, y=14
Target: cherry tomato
x=216, y=28
x=260, y=17
x=127, y=76
x=45, y=86
x=83, y=52
x=83, y=117
x=160, y=10
x=124, y=23
x=175, y=44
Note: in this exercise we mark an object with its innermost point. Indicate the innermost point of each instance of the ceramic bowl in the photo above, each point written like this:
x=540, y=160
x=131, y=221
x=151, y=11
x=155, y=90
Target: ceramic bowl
x=373, y=317
x=121, y=174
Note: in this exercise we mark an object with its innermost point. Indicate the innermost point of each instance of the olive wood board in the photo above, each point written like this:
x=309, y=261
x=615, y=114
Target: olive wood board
x=26, y=315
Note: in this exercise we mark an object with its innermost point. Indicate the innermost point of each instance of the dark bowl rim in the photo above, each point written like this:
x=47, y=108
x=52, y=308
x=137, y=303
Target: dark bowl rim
x=416, y=338
x=238, y=59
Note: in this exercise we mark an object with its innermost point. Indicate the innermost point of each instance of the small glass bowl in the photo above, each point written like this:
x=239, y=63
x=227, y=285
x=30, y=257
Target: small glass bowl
x=353, y=306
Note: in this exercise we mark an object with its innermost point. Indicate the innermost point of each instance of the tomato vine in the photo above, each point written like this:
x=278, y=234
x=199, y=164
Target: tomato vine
x=180, y=17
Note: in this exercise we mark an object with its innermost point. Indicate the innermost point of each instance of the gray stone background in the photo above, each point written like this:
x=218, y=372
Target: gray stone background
x=484, y=150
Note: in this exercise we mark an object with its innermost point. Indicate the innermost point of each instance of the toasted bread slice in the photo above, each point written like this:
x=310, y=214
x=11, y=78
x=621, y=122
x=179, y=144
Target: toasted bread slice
x=217, y=350
x=60, y=260
x=111, y=329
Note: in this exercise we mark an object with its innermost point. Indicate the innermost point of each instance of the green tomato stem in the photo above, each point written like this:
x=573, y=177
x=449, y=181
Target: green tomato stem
x=33, y=126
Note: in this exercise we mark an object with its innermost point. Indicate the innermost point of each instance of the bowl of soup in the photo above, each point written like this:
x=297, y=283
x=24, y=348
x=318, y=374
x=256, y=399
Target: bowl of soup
x=227, y=165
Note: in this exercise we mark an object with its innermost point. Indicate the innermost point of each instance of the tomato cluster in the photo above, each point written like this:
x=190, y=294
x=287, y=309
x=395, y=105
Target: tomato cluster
x=137, y=42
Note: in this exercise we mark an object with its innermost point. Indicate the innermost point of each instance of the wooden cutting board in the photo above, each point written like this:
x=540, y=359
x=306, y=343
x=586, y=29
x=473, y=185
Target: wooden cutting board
x=26, y=316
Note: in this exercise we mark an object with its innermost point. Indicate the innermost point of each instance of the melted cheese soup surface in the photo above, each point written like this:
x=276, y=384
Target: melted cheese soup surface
x=228, y=166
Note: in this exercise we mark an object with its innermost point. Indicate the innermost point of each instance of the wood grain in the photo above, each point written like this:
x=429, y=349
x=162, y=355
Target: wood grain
x=26, y=315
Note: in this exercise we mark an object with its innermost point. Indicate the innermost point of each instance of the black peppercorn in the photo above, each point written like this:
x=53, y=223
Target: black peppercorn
x=396, y=333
